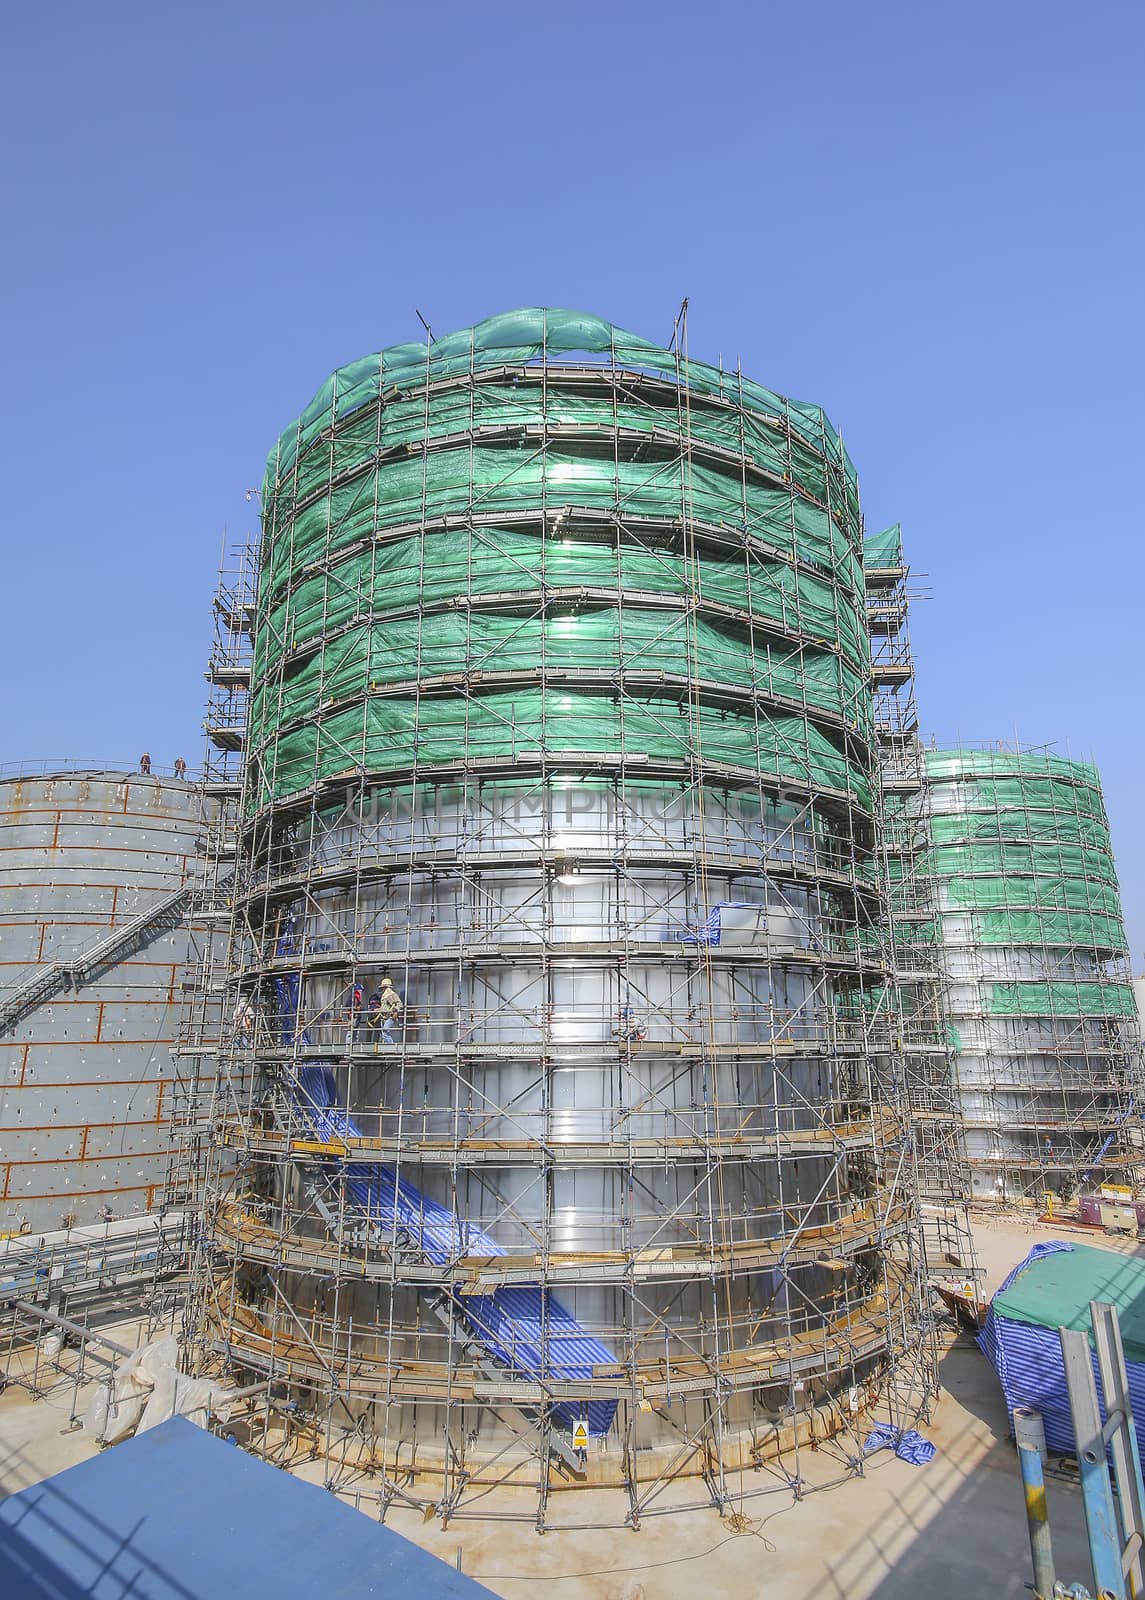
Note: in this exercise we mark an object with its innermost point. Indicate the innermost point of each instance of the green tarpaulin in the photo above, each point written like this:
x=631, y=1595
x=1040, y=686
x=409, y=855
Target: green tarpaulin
x=638, y=556
x=883, y=549
x=1055, y=1291
x=1020, y=842
x=1062, y=1000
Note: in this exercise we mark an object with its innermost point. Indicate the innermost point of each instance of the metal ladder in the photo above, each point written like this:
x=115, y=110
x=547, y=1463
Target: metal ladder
x=1116, y=1531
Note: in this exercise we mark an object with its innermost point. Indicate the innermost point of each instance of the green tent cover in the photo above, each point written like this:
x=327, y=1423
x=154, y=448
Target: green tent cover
x=1055, y=1291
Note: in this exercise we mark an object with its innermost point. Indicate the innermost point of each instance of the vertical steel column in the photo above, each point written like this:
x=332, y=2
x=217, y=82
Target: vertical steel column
x=1037, y=1520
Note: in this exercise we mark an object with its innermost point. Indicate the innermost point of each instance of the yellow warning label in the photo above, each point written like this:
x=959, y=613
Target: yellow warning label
x=580, y=1435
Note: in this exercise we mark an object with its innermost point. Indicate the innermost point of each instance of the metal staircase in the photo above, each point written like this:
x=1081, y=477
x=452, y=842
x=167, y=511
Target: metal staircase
x=537, y=1434
x=130, y=936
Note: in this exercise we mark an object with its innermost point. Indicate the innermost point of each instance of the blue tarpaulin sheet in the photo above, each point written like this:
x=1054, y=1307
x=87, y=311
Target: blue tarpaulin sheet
x=524, y=1326
x=1028, y=1357
x=905, y=1442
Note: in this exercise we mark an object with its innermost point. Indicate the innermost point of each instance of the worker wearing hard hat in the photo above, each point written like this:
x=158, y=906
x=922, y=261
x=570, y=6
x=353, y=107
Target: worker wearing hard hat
x=389, y=1008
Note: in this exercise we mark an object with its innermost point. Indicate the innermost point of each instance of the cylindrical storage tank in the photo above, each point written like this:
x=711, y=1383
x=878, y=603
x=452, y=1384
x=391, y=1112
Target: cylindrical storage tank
x=561, y=985
x=86, y=1056
x=1034, y=956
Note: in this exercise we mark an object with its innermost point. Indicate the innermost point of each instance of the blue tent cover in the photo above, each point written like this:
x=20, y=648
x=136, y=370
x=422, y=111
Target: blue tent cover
x=1051, y=1289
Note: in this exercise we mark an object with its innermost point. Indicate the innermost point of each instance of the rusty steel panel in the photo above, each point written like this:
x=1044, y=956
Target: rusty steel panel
x=84, y=1076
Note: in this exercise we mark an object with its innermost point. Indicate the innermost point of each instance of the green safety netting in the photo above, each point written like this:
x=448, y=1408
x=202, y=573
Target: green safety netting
x=1028, y=892
x=1034, y=794
x=867, y=938
x=1029, y=828
x=1050, y=928
x=420, y=535
x=402, y=425
x=425, y=568
x=883, y=549
x=635, y=641
x=1008, y=763
x=528, y=335
x=489, y=481
x=1040, y=858
x=1021, y=843
x=384, y=734
x=1062, y=1000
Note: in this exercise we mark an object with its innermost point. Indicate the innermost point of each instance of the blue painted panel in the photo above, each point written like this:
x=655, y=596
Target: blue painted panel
x=176, y=1514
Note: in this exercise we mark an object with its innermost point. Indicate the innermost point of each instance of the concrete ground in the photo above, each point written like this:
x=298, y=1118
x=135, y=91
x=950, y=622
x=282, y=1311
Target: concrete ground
x=955, y=1527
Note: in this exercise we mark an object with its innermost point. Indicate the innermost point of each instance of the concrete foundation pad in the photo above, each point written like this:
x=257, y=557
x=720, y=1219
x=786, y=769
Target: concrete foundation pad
x=955, y=1527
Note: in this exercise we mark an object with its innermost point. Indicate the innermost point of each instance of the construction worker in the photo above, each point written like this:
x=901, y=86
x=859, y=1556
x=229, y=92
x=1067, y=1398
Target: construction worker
x=631, y=1029
x=244, y=1019
x=145, y=763
x=180, y=767
x=389, y=1007
x=353, y=1013
x=374, y=1011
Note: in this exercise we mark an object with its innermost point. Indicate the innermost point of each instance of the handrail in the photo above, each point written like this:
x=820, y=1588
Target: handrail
x=47, y=981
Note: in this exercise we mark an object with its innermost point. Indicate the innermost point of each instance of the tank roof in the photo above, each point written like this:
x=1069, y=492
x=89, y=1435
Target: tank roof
x=524, y=337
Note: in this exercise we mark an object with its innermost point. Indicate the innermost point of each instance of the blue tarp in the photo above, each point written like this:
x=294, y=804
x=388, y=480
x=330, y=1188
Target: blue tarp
x=905, y=1442
x=1028, y=1359
x=524, y=1326
x=176, y=1514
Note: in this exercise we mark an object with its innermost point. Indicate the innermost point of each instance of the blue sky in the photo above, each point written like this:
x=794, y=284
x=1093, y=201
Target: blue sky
x=927, y=219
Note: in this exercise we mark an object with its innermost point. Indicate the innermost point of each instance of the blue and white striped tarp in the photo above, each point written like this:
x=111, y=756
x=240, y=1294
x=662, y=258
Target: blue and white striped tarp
x=1028, y=1361
x=524, y=1325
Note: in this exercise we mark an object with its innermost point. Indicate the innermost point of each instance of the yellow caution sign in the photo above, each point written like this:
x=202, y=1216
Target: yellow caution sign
x=580, y=1435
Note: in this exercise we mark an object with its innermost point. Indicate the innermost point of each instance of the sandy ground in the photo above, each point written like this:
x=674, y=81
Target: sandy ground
x=955, y=1527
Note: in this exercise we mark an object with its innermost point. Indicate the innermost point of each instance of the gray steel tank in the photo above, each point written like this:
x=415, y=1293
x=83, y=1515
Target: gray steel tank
x=1034, y=956
x=94, y=945
x=561, y=737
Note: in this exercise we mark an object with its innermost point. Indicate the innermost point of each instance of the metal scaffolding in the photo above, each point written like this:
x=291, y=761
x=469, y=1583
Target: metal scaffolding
x=928, y=1084
x=1034, y=955
x=205, y=1024
x=552, y=1143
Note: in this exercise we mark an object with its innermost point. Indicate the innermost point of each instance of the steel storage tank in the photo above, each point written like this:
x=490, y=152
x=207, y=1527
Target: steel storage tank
x=93, y=945
x=558, y=976
x=1034, y=957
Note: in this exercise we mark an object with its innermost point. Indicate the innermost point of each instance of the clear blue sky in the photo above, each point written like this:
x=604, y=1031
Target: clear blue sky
x=928, y=219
